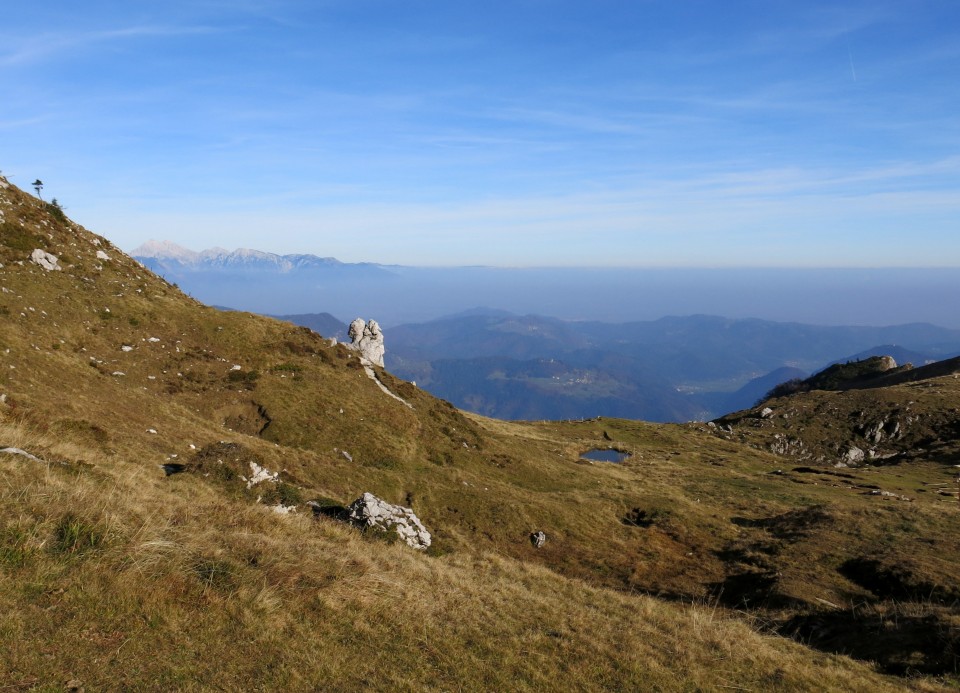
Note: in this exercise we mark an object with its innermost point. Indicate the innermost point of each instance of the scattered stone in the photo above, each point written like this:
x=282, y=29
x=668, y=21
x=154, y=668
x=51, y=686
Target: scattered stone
x=373, y=376
x=126, y=347
x=18, y=451
x=281, y=509
x=152, y=430
x=367, y=338
x=538, y=539
x=766, y=413
x=102, y=255
x=368, y=511
x=888, y=494
x=261, y=474
x=46, y=260
x=346, y=454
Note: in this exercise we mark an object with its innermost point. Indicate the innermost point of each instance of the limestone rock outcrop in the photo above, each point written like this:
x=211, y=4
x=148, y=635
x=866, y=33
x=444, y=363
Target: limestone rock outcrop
x=46, y=260
x=370, y=511
x=367, y=338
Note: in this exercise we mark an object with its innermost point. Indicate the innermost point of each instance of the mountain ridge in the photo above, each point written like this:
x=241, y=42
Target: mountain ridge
x=168, y=255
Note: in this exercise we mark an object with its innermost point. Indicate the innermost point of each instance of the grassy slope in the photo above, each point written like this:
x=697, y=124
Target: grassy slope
x=130, y=562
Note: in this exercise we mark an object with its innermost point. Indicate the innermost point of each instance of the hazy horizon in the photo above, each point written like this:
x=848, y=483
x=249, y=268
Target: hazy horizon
x=509, y=134
x=396, y=294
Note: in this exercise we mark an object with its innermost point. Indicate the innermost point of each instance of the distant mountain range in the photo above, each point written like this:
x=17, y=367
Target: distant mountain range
x=510, y=365
x=673, y=369
x=165, y=256
x=263, y=282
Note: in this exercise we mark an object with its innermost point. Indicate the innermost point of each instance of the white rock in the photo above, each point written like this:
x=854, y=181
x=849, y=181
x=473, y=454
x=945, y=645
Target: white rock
x=370, y=511
x=102, y=255
x=46, y=260
x=126, y=347
x=151, y=430
x=18, y=451
x=538, y=539
x=854, y=455
x=766, y=413
x=367, y=338
x=261, y=474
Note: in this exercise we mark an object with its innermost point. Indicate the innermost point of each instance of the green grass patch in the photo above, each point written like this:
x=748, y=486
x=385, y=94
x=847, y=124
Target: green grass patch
x=216, y=574
x=282, y=493
x=74, y=535
x=18, y=238
x=14, y=548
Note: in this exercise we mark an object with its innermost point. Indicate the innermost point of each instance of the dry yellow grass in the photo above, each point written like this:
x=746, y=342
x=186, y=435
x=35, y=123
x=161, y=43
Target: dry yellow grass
x=184, y=590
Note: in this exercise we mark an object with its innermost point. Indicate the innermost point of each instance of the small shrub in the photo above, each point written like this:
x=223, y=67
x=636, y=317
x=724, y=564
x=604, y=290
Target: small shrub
x=248, y=377
x=785, y=389
x=55, y=209
x=283, y=493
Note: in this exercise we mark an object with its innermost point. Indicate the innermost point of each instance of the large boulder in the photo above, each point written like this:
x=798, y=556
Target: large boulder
x=370, y=511
x=367, y=338
x=48, y=261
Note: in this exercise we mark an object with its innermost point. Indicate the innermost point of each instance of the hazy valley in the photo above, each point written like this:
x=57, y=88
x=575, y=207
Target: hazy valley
x=497, y=363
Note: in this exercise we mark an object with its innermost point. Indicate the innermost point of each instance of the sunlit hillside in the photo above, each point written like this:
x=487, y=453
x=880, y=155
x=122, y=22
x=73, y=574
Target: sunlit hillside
x=136, y=553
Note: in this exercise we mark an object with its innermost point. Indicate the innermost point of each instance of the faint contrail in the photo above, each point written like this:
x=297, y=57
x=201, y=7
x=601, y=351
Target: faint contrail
x=852, y=69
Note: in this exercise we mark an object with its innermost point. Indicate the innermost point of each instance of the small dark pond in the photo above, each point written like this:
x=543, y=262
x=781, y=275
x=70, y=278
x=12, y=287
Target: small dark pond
x=598, y=455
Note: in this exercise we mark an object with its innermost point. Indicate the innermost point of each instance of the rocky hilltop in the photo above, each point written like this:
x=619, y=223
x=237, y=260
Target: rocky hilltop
x=187, y=497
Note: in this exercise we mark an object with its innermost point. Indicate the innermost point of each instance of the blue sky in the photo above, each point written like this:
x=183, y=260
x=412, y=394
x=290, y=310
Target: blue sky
x=529, y=132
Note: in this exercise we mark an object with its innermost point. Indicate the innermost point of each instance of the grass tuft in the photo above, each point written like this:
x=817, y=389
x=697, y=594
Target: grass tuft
x=74, y=535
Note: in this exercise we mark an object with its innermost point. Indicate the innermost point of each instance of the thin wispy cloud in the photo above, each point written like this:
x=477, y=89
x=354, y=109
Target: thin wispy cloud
x=48, y=46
